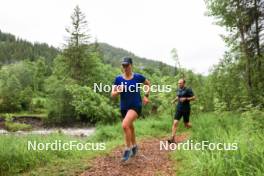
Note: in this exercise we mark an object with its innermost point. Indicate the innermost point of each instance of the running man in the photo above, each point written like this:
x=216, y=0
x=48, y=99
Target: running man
x=127, y=85
x=183, y=108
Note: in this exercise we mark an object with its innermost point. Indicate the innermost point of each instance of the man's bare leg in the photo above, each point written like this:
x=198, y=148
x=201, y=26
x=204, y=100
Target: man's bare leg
x=187, y=125
x=174, y=128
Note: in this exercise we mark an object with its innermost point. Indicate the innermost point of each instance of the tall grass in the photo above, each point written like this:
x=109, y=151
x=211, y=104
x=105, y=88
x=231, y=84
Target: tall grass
x=244, y=130
x=15, y=158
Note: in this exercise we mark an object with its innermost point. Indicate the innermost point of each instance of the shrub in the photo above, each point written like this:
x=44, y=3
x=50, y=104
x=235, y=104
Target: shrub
x=92, y=106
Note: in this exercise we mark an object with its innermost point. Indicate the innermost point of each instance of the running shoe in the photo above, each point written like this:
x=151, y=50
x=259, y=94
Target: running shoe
x=134, y=150
x=127, y=154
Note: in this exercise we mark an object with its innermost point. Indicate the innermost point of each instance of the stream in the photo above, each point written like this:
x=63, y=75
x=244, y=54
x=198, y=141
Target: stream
x=82, y=132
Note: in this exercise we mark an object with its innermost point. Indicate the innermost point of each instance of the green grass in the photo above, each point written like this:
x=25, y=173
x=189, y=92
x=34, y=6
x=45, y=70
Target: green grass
x=16, y=159
x=246, y=130
x=247, y=160
x=12, y=126
x=24, y=113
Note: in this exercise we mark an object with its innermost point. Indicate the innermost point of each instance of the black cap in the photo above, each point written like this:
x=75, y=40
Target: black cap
x=127, y=60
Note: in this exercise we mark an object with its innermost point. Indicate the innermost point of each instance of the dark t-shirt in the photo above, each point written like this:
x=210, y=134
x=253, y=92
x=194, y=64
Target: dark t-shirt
x=184, y=92
x=130, y=99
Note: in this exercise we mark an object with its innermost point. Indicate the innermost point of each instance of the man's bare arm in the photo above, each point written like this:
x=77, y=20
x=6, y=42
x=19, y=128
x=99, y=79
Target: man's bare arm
x=174, y=100
x=182, y=99
x=191, y=98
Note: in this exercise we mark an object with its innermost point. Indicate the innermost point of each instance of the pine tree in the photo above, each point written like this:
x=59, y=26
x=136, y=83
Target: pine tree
x=76, y=50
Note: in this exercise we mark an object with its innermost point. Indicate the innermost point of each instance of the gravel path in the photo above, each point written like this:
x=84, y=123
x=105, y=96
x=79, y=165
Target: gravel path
x=150, y=161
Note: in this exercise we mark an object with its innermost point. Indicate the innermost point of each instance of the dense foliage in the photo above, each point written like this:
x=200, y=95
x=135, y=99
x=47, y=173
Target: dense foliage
x=40, y=78
x=13, y=49
x=238, y=79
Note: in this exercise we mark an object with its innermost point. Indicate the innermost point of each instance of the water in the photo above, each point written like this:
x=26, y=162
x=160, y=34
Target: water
x=83, y=132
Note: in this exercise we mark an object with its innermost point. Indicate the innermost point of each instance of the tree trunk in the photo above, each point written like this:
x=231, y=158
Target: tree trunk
x=257, y=38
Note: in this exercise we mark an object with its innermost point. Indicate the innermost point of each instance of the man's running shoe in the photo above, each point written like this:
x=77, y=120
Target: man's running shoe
x=188, y=125
x=126, y=155
x=134, y=150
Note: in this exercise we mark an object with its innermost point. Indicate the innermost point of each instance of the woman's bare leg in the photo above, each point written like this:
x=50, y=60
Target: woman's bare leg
x=128, y=128
x=133, y=136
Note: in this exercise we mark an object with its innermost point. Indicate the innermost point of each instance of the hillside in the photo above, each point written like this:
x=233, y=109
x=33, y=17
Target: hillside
x=112, y=55
x=13, y=49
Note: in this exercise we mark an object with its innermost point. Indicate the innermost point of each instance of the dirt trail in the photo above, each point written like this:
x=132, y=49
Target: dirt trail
x=149, y=161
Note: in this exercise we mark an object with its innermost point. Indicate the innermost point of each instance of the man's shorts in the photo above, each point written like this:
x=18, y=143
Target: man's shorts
x=184, y=113
x=137, y=109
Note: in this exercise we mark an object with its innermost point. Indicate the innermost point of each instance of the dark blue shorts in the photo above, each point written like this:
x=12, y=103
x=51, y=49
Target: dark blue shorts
x=137, y=109
x=184, y=113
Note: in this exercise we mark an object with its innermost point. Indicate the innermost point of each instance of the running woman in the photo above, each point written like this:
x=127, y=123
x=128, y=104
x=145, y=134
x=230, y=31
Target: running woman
x=183, y=108
x=128, y=86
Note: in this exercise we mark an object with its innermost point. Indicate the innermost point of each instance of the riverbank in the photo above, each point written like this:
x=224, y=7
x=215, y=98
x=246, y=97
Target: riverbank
x=26, y=124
